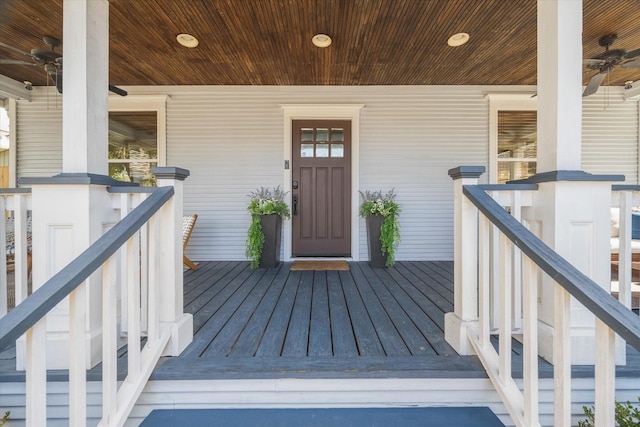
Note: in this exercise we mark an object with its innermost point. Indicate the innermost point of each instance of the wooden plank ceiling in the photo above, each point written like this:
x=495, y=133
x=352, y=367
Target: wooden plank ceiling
x=268, y=42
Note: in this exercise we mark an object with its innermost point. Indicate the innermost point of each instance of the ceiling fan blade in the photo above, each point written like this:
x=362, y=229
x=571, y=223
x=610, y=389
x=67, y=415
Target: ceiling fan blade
x=594, y=84
x=15, y=62
x=631, y=54
x=593, y=62
x=57, y=79
x=632, y=64
x=15, y=49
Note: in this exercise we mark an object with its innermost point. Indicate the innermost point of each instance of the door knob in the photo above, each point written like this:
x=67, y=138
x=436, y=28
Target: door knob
x=295, y=204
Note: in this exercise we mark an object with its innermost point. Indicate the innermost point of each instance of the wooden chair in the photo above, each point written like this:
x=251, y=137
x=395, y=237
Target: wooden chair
x=188, y=221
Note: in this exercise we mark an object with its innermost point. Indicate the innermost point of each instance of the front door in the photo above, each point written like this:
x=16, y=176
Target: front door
x=321, y=188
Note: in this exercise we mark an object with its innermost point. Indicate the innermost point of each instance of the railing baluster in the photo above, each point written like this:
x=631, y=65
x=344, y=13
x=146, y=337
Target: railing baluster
x=624, y=249
x=484, y=284
x=110, y=339
x=605, y=375
x=516, y=212
x=133, y=292
x=562, y=356
x=36, y=375
x=125, y=208
x=505, y=308
x=144, y=271
x=495, y=277
x=77, y=357
x=4, y=300
x=154, y=262
x=20, y=238
x=530, y=341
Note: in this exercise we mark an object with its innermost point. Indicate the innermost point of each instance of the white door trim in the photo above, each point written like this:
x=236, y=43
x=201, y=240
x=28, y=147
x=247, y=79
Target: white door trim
x=324, y=112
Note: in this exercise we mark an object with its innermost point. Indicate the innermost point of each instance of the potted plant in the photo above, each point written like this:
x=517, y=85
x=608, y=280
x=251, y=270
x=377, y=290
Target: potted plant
x=267, y=208
x=381, y=213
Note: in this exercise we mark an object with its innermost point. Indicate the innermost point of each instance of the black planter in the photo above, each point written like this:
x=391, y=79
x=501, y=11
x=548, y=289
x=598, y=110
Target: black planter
x=272, y=229
x=376, y=258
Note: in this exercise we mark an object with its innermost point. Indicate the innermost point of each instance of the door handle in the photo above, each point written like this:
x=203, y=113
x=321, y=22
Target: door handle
x=295, y=204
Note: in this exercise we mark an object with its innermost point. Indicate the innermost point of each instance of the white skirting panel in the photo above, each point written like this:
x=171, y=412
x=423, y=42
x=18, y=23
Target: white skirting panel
x=298, y=393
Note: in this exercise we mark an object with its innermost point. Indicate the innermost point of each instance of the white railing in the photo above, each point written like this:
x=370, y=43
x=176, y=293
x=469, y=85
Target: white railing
x=498, y=284
x=624, y=200
x=15, y=236
x=131, y=262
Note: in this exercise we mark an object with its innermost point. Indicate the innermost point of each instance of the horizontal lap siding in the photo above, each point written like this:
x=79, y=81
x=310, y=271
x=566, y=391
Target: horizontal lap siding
x=231, y=140
x=610, y=136
x=39, y=130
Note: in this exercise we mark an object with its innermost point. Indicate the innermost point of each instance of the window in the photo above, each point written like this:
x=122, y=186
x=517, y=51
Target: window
x=517, y=145
x=513, y=137
x=137, y=138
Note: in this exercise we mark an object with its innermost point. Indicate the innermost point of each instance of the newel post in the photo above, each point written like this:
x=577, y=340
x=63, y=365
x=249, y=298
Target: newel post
x=465, y=264
x=170, y=270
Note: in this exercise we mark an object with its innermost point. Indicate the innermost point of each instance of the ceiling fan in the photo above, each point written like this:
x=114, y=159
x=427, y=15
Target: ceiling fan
x=50, y=60
x=606, y=61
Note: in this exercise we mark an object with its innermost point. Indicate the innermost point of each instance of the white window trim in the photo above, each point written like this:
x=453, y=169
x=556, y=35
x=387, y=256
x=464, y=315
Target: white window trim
x=325, y=112
x=504, y=102
x=157, y=103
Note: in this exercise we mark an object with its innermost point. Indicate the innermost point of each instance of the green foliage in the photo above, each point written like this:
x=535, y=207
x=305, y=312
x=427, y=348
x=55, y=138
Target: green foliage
x=263, y=201
x=376, y=203
x=5, y=418
x=627, y=415
x=255, y=241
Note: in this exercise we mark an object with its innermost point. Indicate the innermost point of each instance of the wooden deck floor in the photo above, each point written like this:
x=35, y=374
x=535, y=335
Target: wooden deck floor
x=361, y=322
x=278, y=323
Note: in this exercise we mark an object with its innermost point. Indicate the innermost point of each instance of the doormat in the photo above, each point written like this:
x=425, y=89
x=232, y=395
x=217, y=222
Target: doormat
x=319, y=265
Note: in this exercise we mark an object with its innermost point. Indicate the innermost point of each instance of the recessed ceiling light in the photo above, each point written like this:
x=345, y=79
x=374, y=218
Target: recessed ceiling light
x=458, y=39
x=321, y=40
x=187, y=40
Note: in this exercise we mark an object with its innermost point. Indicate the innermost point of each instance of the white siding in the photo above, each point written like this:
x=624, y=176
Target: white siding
x=610, y=136
x=231, y=139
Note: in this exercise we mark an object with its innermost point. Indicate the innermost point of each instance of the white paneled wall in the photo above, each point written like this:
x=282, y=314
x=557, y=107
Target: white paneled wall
x=231, y=139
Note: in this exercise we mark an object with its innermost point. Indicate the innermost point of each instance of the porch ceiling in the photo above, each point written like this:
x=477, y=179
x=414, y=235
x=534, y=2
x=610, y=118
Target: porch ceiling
x=268, y=42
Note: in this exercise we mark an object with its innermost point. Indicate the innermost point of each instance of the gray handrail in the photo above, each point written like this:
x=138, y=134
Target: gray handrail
x=608, y=309
x=30, y=311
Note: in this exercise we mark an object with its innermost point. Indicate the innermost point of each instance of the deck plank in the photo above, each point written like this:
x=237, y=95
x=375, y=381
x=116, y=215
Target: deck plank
x=249, y=339
x=429, y=287
x=414, y=304
x=391, y=340
x=297, y=340
x=222, y=308
x=276, y=330
x=203, y=278
x=342, y=334
x=411, y=335
x=320, y=322
x=223, y=342
x=214, y=297
x=367, y=339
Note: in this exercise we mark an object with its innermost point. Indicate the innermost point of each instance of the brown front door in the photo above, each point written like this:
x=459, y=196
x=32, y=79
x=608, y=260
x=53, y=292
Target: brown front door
x=321, y=188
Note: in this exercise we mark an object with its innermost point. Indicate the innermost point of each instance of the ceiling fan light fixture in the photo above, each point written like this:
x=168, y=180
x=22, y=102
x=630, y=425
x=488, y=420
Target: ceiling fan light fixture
x=321, y=40
x=458, y=39
x=187, y=40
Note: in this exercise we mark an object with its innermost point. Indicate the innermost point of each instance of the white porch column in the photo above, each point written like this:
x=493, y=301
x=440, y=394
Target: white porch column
x=465, y=258
x=85, y=112
x=571, y=206
x=72, y=210
x=171, y=267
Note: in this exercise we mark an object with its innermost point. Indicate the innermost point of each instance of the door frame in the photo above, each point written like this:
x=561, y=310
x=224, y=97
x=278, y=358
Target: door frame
x=349, y=112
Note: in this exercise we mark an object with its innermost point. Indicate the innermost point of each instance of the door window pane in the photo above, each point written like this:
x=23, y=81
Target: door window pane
x=337, y=135
x=337, y=150
x=306, y=150
x=322, y=150
x=322, y=134
x=306, y=134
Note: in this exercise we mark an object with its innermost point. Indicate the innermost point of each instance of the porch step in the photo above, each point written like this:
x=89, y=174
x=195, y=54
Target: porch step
x=329, y=417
